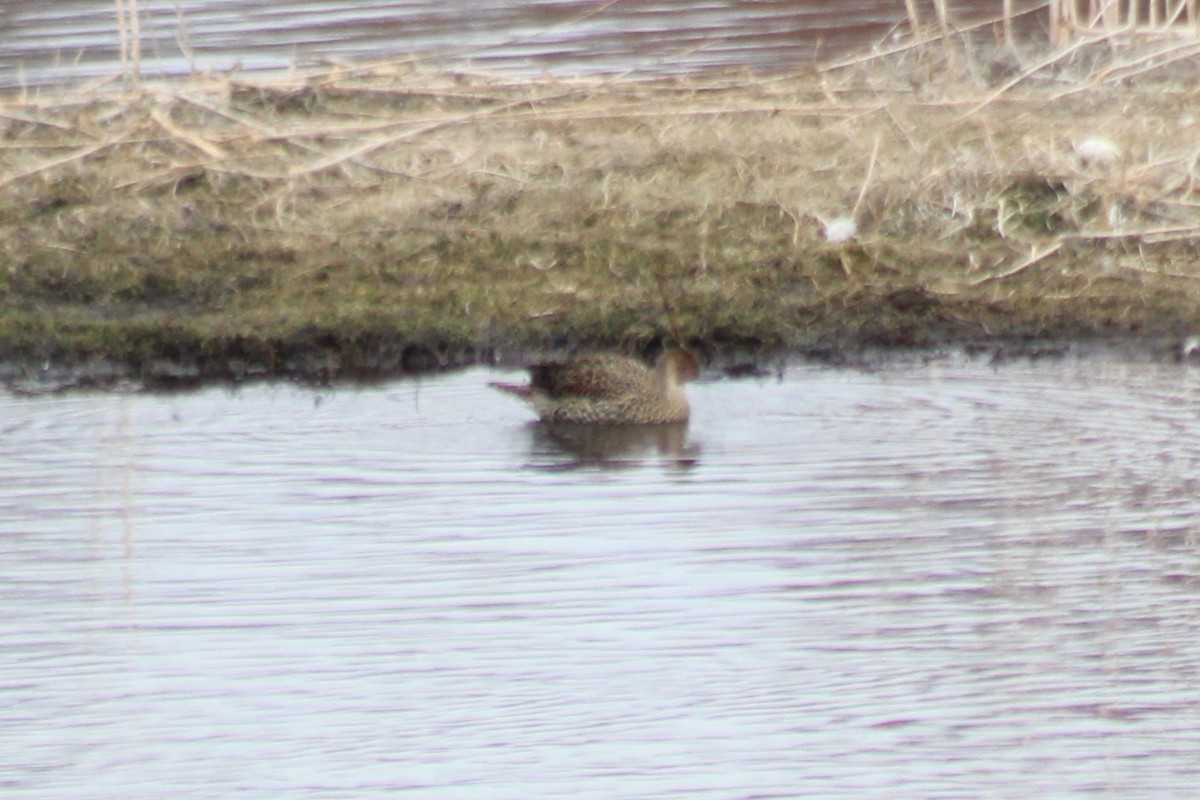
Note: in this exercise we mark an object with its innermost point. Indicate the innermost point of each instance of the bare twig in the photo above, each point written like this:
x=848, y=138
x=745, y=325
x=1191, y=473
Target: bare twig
x=49, y=123
x=195, y=140
x=1036, y=68
x=862, y=192
x=1034, y=258
x=78, y=155
x=1147, y=63
x=1170, y=233
x=855, y=61
x=382, y=142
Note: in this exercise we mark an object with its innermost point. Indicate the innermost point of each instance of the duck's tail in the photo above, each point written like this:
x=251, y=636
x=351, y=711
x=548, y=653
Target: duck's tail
x=521, y=390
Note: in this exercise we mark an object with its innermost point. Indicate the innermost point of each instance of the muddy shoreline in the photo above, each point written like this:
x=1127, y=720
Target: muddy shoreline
x=376, y=221
x=31, y=380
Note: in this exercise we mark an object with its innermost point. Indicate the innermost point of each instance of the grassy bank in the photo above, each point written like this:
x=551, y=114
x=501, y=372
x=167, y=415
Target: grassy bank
x=377, y=219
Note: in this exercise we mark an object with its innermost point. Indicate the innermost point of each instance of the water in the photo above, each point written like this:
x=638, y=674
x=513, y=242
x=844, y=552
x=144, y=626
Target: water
x=72, y=40
x=939, y=579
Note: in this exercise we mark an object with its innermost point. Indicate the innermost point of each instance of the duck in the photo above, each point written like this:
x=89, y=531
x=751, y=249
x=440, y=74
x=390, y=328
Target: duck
x=609, y=389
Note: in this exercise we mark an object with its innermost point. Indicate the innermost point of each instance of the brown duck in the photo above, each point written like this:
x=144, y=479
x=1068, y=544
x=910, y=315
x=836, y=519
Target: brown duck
x=606, y=389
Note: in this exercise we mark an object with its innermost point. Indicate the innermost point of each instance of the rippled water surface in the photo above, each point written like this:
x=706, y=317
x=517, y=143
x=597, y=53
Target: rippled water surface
x=927, y=580
x=51, y=41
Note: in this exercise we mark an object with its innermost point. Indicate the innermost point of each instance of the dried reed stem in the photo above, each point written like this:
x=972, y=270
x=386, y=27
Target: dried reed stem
x=1036, y=68
x=378, y=144
x=195, y=140
x=1166, y=233
x=129, y=37
x=855, y=61
x=1179, y=52
x=914, y=18
x=123, y=33
x=1115, y=17
x=943, y=18
x=135, y=38
x=78, y=155
x=862, y=192
x=1034, y=258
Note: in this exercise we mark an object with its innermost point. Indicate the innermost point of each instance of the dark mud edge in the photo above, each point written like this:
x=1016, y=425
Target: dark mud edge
x=722, y=359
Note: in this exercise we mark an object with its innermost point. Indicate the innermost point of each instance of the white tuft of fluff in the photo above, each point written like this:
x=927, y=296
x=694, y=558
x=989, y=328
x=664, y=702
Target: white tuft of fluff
x=1097, y=151
x=840, y=229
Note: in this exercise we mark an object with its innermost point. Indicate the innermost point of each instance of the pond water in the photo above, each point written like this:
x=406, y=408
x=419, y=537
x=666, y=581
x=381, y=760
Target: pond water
x=52, y=41
x=936, y=578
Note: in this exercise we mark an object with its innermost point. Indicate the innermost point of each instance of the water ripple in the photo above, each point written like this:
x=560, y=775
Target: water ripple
x=937, y=579
x=53, y=42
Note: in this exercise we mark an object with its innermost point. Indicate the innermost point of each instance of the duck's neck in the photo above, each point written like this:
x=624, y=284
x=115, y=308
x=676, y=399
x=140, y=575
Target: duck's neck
x=667, y=373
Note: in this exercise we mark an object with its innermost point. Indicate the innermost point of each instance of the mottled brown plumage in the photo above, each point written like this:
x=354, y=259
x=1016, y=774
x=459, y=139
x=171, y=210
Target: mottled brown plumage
x=609, y=389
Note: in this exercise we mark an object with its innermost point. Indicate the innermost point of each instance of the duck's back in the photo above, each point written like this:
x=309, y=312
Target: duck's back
x=600, y=389
x=596, y=377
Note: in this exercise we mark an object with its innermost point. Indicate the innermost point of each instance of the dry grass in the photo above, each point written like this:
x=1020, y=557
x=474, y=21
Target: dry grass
x=1111, y=18
x=367, y=218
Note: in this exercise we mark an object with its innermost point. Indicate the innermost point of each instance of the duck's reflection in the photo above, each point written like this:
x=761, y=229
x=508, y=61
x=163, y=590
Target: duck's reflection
x=610, y=446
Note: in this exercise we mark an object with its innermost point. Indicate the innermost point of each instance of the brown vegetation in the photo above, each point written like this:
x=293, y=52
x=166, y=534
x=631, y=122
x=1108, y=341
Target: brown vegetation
x=374, y=218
